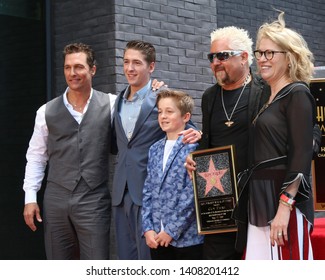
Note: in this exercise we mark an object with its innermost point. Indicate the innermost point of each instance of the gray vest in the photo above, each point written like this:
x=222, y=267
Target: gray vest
x=75, y=150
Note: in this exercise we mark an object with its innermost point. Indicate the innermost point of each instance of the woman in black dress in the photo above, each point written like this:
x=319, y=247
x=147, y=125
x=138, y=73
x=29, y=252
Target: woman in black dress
x=280, y=202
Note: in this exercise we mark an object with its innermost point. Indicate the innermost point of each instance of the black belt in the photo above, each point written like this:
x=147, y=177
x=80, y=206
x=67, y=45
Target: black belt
x=260, y=165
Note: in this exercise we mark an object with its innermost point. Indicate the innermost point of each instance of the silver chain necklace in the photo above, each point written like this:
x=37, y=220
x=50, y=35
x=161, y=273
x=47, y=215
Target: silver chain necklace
x=229, y=122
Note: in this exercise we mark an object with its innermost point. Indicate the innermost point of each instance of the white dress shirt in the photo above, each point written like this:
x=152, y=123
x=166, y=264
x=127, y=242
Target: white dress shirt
x=37, y=156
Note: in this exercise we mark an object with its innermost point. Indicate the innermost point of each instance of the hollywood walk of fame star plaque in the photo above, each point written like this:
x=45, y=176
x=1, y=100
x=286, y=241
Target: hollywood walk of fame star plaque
x=317, y=88
x=215, y=189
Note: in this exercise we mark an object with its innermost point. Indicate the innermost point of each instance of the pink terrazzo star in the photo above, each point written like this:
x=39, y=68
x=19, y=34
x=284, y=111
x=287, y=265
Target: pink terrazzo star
x=213, y=177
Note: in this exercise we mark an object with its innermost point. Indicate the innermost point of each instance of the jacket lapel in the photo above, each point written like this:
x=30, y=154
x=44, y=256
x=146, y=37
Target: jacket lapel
x=147, y=106
x=177, y=147
x=117, y=117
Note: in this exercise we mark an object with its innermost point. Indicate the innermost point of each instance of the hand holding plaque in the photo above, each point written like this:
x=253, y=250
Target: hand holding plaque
x=215, y=191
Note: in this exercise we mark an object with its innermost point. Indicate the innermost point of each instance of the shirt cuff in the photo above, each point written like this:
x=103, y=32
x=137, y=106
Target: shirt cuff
x=30, y=197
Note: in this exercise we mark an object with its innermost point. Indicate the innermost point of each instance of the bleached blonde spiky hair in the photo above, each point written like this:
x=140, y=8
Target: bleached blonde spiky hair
x=238, y=39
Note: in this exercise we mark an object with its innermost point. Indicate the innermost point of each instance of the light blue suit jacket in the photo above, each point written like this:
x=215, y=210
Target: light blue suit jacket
x=168, y=196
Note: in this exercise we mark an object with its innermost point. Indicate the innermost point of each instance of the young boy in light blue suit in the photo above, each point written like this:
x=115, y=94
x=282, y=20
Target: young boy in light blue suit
x=168, y=213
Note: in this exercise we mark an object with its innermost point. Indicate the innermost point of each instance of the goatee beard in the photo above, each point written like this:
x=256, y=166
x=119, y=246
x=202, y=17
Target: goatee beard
x=219, y=79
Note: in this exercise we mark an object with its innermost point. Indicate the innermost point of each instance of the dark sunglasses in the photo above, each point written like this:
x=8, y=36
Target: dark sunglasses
x=222, y=56
x=268, y=54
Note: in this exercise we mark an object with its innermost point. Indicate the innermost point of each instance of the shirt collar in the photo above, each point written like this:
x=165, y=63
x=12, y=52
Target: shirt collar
x=65, y=99
x=140, y=94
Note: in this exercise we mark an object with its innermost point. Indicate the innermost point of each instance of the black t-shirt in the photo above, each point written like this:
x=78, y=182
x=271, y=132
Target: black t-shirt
x=237, y=133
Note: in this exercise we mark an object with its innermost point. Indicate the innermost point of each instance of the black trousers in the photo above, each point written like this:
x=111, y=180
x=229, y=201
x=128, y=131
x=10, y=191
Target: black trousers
x=220, y=246
x=174, y=253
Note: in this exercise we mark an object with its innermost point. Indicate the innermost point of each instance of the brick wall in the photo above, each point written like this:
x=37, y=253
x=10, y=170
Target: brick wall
x=307, y=19
x=90, y=22
x=180, y=31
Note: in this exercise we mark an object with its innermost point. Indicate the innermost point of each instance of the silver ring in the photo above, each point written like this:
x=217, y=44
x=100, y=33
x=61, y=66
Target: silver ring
x=185, y=163
x=279, y=233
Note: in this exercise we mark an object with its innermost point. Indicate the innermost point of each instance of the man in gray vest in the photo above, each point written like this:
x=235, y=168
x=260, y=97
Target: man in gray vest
x=72, y=135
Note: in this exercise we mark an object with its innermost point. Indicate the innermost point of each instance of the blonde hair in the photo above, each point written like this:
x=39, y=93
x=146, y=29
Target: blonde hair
x=300, y=58
x=238, y=39
x=183, y=101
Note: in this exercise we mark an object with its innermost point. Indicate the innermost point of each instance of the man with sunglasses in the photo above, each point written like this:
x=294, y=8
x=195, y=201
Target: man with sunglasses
x=228, y=109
